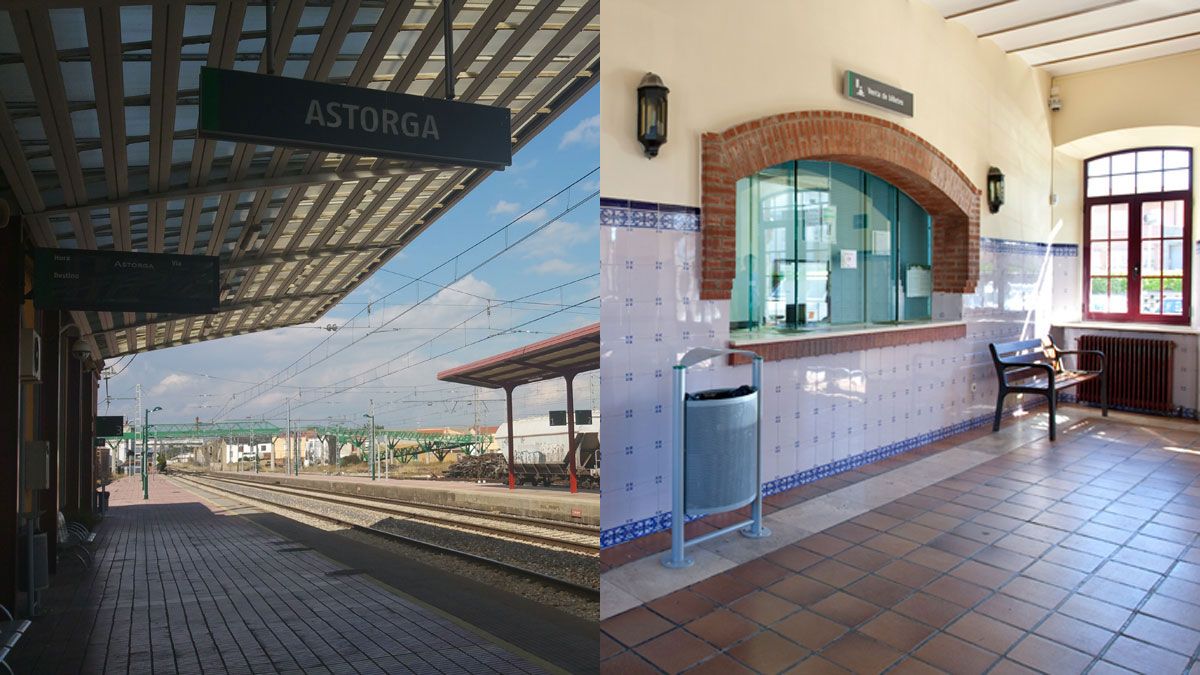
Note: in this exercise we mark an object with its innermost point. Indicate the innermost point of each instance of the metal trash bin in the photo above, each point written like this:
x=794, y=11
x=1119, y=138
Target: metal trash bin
x=720, y=449
x=716, y=464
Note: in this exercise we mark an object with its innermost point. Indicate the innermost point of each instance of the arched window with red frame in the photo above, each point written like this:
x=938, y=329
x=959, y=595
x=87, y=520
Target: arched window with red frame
x=1137, y=236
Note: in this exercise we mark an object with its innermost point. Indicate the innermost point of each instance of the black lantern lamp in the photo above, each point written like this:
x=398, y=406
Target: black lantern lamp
x=652, y=114
x=995, y=189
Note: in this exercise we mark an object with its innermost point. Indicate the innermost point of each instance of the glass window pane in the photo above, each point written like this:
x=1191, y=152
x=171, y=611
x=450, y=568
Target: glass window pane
x=1149, y=182
x=1118, y=221
x=1149, y=160
x=1152, y=257
x=1098, y=298
x=1097, y=187
x=1173, y=256
x=1100, y=221
x=1099, y=259
x=1172, y=216
x=1151, y=296
x=1118, y=257
x=1175, y=159
x=1123, y=163
x=1098, y=167
x=1172, y=297
x=1123, y=185
x=1175, y=179
x=1151, y=220
x=1118, y=295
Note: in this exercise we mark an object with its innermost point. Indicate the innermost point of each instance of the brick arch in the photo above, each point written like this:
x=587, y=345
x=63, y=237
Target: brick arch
x=885, y=149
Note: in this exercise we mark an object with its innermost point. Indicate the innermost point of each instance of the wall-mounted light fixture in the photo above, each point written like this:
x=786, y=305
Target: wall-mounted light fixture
x=652, y=114
x=995, y=189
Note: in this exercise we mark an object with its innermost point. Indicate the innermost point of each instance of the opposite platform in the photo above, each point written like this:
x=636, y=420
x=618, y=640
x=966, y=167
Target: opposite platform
x=182, y=586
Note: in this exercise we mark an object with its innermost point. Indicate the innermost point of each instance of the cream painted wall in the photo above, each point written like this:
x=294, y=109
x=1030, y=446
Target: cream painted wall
x=1155, y=92
x=727, y=62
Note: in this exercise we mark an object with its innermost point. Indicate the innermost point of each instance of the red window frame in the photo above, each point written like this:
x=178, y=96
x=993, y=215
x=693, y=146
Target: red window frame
x=1135, y=202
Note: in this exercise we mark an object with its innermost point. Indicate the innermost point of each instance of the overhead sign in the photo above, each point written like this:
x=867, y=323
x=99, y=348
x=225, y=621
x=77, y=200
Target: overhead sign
x=876, y=93
x=110, y=426
x=285, y=111
x=118, y=281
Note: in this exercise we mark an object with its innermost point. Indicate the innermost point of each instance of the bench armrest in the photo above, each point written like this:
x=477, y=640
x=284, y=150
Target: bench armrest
x=1095, y=352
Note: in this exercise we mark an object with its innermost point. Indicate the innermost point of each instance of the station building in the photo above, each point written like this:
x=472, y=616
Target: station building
x=858, y=250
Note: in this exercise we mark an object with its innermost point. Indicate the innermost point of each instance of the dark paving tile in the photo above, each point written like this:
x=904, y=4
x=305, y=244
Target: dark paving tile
x=768, y=652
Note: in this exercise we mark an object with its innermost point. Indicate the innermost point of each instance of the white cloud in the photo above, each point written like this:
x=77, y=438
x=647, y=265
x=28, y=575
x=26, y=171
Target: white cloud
x=503, y=207
x=554, y=266
x=171, y=383
x=586, y=132
x=558, y=237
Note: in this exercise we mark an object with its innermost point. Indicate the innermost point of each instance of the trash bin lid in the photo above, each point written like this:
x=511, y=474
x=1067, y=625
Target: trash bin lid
x=716, y=394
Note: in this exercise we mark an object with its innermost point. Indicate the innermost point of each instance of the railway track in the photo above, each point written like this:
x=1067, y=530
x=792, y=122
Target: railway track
x=575, y=588
x=568, y=536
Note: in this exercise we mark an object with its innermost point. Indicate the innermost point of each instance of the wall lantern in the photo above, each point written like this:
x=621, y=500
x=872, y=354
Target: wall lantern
x=652, y=114
x=995, y=189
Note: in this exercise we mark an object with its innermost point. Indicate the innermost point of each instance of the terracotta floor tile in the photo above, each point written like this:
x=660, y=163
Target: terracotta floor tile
x=1049, y=657
x=1164, y=634
x=877, y=521
x=897, y=630
x=929, y=609
x=1144, y=658
x=891, y=544
x=1023, y=545
x=801, y=590
x=908, y=573
x=1097, y=612
x=921, y=534
x=1106, y=668
x=1007, y=667
x=981, y=574
x=864, y=558
x=815, y=665
x=1113, y=592
x=1180, y=590
x=722, y=628
x=1146, y=560
x=823, y=544
x=722, y=588
x=794, y=558
x=1129, y=574
x=627, y=663
x=718, y=665
x=763, y=607
x=934, y=558
x=636, y=626
x=845, y=609
x=984, y=631
x=676, y=651
x=1073, y=559
x=1034, y=591
x=1003, y=558
x=809, y=630
x=977, y=532
x=911, y=666
x=768, y=652
x=834, y=572
x=852, y=532
x=1074, y=633
x=682, y=606
x=878, y=590
x=957, y=591
x=955, y=656
x=937, y=521
x=1012, y=611
x=1048, y=572
x=860, y=653
x=1172, y=610
x=760, y=572
x=609, y=647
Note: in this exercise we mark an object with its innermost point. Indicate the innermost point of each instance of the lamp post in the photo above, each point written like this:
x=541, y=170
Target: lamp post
x=372, y=418
x=146, y=451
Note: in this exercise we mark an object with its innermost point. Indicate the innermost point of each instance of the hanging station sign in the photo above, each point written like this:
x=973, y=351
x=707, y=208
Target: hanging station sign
x=878, y=94
x=286, y=111
x=118, y=281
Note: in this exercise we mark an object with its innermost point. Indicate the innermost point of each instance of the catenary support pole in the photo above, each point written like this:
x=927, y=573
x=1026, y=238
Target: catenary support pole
x=512, y=476
x=571, y=433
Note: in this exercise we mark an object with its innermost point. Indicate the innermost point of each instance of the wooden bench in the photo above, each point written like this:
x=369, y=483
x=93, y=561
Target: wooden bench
x=1036, y=367
x=11, y=632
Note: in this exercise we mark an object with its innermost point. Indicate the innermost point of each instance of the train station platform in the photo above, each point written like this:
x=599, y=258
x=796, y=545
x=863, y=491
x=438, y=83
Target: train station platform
x=536, y=502
x=190, y=583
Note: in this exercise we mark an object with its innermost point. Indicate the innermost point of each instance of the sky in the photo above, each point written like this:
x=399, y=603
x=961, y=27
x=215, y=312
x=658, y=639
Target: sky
x=395, y=332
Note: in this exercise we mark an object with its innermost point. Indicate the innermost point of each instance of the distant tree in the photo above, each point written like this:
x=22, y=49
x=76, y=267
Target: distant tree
x=161, y=461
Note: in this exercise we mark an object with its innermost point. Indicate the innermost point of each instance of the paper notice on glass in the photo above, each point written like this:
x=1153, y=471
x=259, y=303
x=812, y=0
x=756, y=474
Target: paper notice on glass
x=917, y=282
x=849, y=259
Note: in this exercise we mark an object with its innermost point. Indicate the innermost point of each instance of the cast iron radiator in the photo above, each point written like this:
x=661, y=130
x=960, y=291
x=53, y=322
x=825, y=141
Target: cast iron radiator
x=1139, y=371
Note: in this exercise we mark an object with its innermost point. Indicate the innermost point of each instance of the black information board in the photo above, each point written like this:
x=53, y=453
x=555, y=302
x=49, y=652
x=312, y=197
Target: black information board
x=286, y=111
x=118, y=281
x=109, y=426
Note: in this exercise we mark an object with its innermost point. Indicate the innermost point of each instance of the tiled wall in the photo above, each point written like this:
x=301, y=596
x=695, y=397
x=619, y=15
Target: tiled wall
x=821, y=414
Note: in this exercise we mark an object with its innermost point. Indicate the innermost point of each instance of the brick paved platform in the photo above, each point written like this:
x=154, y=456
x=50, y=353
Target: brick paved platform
x=179, y=585
x=1077, y=556
x=537, y=502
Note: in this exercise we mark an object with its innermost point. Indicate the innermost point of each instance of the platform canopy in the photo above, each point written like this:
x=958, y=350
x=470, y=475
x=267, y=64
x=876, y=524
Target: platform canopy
x=565, y=355
x=99, y=148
